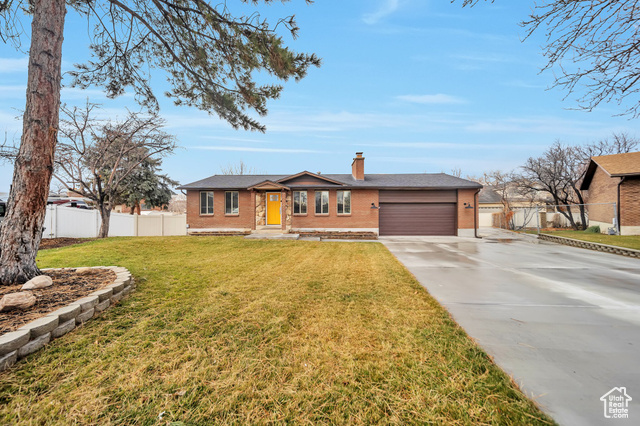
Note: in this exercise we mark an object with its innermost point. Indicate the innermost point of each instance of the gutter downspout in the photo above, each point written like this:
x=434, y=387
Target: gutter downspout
x=619, y=225
x=475, y=213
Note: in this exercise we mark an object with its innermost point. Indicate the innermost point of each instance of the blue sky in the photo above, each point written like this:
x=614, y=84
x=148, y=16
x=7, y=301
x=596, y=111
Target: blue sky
x=418, y=86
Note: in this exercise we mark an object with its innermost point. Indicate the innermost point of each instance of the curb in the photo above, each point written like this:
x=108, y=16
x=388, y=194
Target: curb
x=591, y=246
x=33, y=336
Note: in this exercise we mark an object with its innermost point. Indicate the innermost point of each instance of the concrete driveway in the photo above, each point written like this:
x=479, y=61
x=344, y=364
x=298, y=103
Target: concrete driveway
x=564, y=322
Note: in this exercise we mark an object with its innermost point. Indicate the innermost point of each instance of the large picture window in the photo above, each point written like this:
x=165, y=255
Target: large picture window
x=231, y=202
x=322, y=202
x=206, y=202
x=299, y=202
x=344, y=202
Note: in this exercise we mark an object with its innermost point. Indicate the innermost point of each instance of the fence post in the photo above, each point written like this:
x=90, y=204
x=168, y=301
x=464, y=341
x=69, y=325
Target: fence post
x=161, y=225
x=135, y=224
x=97, y=229
x=615, y=217
x=538, y=219
x=53, y=220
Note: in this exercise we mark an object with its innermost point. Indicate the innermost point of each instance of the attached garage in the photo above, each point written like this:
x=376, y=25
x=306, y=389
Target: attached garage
x=418, y=213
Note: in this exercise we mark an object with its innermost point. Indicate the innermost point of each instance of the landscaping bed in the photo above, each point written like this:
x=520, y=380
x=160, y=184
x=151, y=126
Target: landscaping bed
x=68, y=286
x=49, y=243
x=233, y=331
x=350, y=235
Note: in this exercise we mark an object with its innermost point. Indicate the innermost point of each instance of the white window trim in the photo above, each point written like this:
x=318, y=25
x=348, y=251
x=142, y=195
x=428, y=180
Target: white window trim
x=306, y=204
x=225, y=203
x=207, y=205
x=338, y=202
x=315, y=207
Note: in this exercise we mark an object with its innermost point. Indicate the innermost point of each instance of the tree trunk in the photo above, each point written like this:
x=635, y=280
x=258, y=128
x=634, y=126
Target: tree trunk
x=583, y=215
x=21, y=229
x=105, y=214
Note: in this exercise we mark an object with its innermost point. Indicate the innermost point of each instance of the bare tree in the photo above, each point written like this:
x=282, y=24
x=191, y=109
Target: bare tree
x=593, y=45
x=502, y=184
x=212, y=59
x=95, y=158
x=178, y=203
x=8, y=152
x=555, y=172
x=239, y=168
x=561, y=168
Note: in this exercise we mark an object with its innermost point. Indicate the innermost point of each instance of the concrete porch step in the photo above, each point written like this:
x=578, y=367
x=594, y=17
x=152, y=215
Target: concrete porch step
x=269, y=229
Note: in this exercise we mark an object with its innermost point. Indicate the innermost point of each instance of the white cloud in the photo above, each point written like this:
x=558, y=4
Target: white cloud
x=224, y=138
x=10, y=123
x=69, y=93
x=524, y=85
x=13, y=91
x=535, y=124
x=11, y=65
x=439, y=98
x=447, y=145
x=253, y=149
x=488, y=57
x=385, y=9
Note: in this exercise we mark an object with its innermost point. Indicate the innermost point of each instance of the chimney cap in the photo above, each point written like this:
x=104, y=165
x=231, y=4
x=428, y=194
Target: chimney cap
x=358, y=154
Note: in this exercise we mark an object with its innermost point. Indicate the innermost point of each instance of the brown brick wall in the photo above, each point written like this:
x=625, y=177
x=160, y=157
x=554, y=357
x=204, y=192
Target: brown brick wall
x=630, y=202
x=362, y=215
x=244, y=219
x=465, y=216
x=603, y=189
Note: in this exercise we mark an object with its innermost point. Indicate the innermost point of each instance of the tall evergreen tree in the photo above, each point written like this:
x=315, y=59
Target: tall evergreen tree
x=146, y=185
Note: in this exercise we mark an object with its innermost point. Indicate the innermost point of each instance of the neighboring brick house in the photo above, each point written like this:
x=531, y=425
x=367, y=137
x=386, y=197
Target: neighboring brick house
x=386, y=204
x=614, y=179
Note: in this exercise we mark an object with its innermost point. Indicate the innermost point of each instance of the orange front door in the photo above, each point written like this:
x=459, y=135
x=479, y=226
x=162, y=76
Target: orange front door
x=273, y=208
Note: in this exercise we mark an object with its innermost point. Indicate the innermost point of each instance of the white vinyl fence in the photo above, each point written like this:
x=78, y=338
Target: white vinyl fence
x=79, y=223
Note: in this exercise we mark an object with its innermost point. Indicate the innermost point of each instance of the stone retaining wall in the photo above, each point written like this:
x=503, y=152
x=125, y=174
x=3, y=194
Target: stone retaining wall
x=34, y=335
x=591, y=246
x=349, y=235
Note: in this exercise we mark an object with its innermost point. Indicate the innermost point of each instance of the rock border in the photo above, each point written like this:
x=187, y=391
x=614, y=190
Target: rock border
x=346, y=235
x=590, y=245
x=31, y=337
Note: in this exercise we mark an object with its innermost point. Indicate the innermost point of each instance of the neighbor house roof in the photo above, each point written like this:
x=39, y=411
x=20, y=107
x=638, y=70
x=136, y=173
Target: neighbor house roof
x=489, y=196
x=373, y=181
x=616, y=165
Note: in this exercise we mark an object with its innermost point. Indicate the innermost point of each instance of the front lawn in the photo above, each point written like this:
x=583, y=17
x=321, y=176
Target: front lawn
x=223, y=330
x=628, y=241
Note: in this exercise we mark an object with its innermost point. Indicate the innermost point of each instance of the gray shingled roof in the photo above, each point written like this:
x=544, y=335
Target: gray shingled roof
x=489, y=196
x=387, y=181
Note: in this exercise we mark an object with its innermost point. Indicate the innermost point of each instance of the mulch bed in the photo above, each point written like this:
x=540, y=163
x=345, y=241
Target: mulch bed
x=49, y=243
x=68, y=286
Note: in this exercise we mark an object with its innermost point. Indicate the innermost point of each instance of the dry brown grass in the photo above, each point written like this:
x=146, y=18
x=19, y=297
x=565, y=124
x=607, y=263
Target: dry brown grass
x=228, y=331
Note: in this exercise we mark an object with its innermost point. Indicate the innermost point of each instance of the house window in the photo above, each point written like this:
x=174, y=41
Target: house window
x=206, y=202
x=231, y=202
x=299, y=202
x=344, y=202
x=322, y=202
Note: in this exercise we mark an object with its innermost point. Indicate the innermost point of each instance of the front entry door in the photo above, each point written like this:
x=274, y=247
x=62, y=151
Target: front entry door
x=273, y=208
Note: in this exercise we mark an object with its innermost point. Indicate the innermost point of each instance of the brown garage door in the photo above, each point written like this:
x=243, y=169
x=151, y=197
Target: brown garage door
x=417, y=219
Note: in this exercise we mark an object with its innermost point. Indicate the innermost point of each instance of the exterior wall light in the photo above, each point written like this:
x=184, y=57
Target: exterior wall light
x=373, y=206
x=468, y=206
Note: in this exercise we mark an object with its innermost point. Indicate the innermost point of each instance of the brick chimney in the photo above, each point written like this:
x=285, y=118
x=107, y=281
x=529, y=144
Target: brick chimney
x=357, y=167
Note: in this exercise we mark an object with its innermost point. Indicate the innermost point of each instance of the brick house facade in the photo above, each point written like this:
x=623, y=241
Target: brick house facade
x=390, y=204
x=614, y=179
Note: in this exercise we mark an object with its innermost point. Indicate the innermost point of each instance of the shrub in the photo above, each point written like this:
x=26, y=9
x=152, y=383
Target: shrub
x=593, y=229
